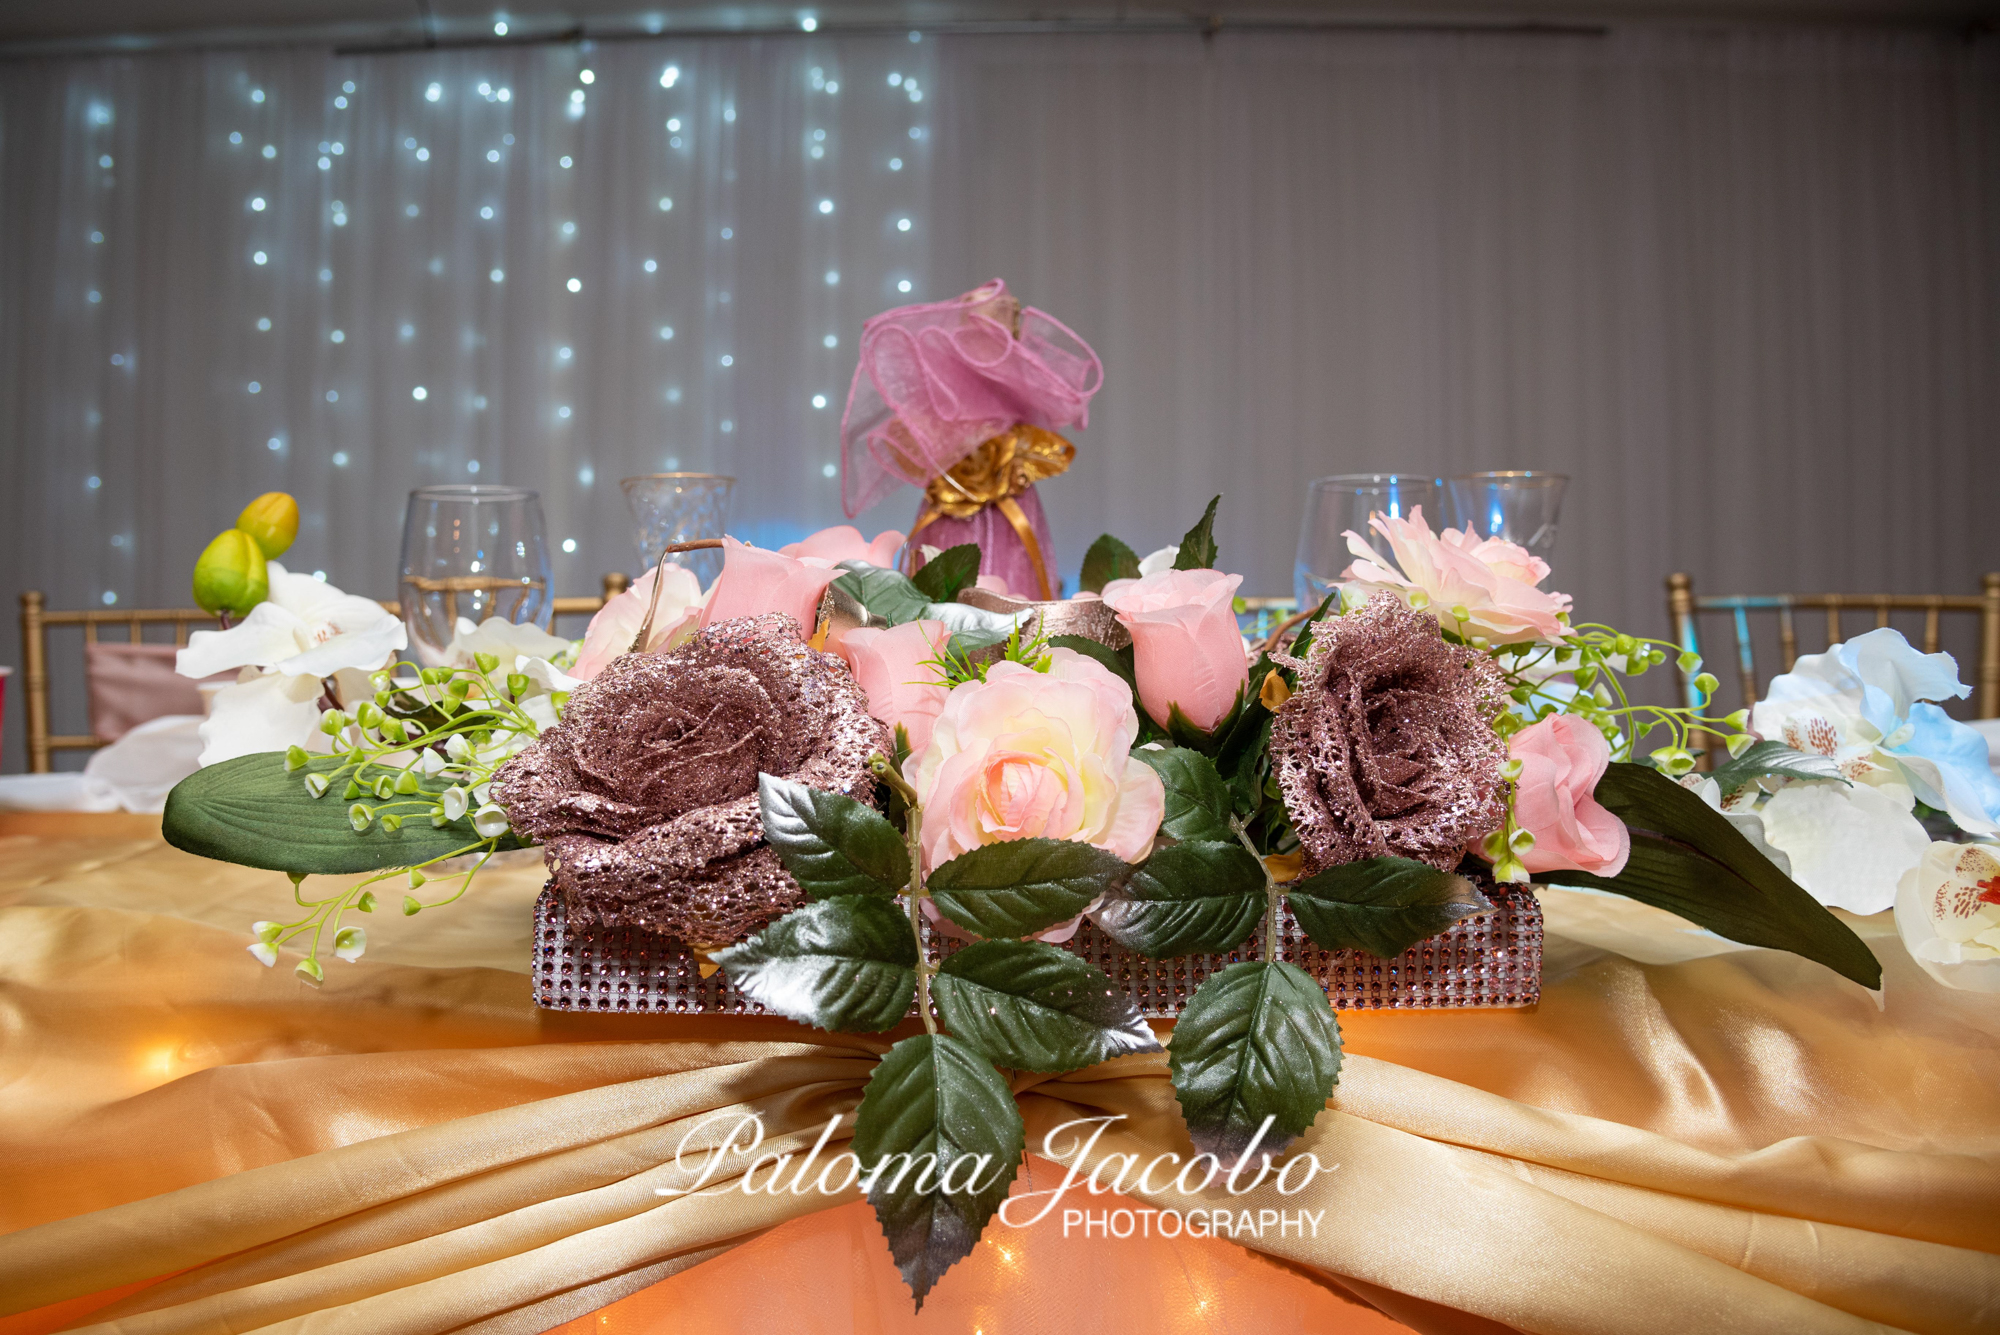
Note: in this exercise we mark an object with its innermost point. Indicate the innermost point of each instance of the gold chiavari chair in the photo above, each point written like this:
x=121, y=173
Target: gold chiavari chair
x=1685, y=607
x=36, y=621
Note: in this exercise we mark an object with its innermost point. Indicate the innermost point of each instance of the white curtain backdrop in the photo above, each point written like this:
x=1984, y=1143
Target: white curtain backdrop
x=1744, y=286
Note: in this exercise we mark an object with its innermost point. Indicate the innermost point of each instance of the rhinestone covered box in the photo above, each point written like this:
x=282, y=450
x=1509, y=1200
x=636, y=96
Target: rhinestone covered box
x=1493, y=960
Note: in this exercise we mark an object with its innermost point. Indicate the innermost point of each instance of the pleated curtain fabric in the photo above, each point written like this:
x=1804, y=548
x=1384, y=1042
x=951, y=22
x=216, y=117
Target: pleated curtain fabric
x=1743, y=285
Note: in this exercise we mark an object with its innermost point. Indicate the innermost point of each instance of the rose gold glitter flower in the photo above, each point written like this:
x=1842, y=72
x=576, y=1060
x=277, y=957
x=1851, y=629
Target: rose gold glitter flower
x=645, y=795
x=1387, y=746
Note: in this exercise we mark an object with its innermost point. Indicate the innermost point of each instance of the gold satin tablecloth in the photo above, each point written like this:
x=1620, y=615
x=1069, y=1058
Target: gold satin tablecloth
x=1685, y=1136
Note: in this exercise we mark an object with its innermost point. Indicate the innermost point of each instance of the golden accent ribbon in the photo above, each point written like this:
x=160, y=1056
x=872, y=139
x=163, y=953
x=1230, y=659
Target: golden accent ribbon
x=994, y=474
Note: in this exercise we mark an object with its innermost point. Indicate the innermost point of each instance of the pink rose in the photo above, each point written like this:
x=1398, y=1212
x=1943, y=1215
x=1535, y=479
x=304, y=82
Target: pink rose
x=844, y=543
x=1562, y=758
x=1472, y=585
x=1027, y=755
x=1186, y=646
x=611, y=631
x=754, y=581
x=995, y=584
x=889, y=664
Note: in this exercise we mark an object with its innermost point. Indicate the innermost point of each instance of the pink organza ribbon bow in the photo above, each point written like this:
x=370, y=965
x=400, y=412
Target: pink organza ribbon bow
x=936, y=381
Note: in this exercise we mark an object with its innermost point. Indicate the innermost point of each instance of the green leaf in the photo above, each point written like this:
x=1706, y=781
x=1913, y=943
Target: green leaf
x=830, y=843
x=1107, y=559
x=1023, y=885
x=1257, y=1041
x=847, y=964
x=1381, y=905
x=1118, y=661
x=1762, y=758
x=1197, y=801
x=252, y=812
x=1198, y=547
x=1688, y=859
x=1037, y=1007
x=936, y=1113
x=1328, y=606
x=950, y=570
x=1188, y=899
x=884, y=593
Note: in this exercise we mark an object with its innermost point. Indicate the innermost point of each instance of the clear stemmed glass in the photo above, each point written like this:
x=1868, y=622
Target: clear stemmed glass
x=679, y=507
x=472, y=552
x=1520, y=505
x=1334, y=505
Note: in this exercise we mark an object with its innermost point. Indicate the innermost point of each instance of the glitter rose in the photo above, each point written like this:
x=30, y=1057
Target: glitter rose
x=1473, y=586
x=645, y=795
x=1387, y=746
x=1027, y=754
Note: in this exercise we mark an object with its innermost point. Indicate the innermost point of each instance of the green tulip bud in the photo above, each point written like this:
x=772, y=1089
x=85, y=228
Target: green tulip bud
x=296, y=759
x=486, y=662
x=369, y=715
x=271, y=521
x=517, y=684
x=1689, y=660
x=367, y=901
x=392, y=823
x=1740, y=743
x=385, y=786
x=417, y=879
x=332, y=721
x=1706, y=683
x=310, y=972
x=410, y=906
x=406, y=783
x=360, y=817
x=229, y=576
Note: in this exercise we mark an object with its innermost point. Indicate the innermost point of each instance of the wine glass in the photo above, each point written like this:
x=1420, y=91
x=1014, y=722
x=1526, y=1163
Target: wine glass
x=679, y=507
x=1519, y=505
x=1335, y=505
x=472, y=552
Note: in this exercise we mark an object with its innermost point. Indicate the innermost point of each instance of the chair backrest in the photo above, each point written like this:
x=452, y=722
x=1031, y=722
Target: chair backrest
x=36, y=620
x=1686, y=608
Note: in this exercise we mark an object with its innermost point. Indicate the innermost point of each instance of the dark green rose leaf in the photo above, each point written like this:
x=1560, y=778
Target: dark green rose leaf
x=1107, y=559
x=936, y=1114
x=1197, y=801
x=1688, y=859
x=830, y=843
x=253, y=812
x=1036, y=1007
x=1024, y=885
x=847, y=964
x=1381, y=905
x=1188, y=899
x=1329, y=606
x=887, y=594
x=1257, y=1040
x=1762, y=758
x=1198, y=547
x=950, y=570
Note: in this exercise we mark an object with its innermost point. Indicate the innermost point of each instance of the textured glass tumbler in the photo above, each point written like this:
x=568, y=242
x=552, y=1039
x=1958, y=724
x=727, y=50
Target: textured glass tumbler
x=1335, y=505
x=470, y=553
x=1520, y=505
x=679, y=507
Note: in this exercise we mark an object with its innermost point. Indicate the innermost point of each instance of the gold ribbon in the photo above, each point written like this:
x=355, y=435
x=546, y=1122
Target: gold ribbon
x=994, y=474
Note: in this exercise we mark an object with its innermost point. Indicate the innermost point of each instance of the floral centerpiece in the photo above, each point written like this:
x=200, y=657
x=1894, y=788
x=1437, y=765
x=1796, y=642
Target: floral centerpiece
x=806, y=806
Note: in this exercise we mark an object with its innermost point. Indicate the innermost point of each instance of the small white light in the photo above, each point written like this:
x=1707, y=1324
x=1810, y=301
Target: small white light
x=274, y=443
x=497, y=275
x=270, y=150
x=338, y=336
x=264, y=323
x=433, y=93
x=504, y=94
x=826, y=206
x=674, y=124
x=833, y=85
x=235, y=136
x=254, y=387
x=670, y=76
x=832, y=277
x=337, y=148
x=493, y=155
x=333, y=396
x=320, y=575
x=916, y=96
x=586, y=475
x=340, y=220
x=727, y=426
x=117, y=359
x=487, y=212
x=902, y=224
x=256, y=95
x=347, y=87
x=472, y=466
x=569, y=229
x=260, y=258
x=564, y=162
x=808, y=23
x=423, y=155
x=325, y=163
x=666, y=332
x=93, y=296
x=666, y=205
x=326, y=275
x=916, y=132
x=895, y=164
x=257, y=204
x=831, y=340
x=500, y=28
x=485, y=89
x=819, y=400
x=340, y=458
x=586, y=76
x=829, y=470
x=673, y=396
x=93, y=482
x=816, y=153
x=104, y=161
x=728, y=360
x=576, y=95
x=574, y=285
x=569, y=544
x=420, y=393
x=479, y=401
x=728, y=234
x=916, y=37
x=408, y=331
x=652, y=266
x=436, y=265
x=819, y=136
x=109, y=597
x=729, y=114
x=410, y=210
x=895, y=79
x=674, y=142
x=340, y=103
x=903, y=286
x=563, y=412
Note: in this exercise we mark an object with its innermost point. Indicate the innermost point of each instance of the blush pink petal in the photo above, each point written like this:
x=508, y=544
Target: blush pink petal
x=1186, y=646
x=1562, y=759
x=616, y=624
x=754, y=581
x=844, y=542
x=890, y=666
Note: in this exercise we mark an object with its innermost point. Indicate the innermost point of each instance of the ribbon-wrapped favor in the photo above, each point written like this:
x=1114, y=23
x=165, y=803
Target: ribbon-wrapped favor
x=963, y=398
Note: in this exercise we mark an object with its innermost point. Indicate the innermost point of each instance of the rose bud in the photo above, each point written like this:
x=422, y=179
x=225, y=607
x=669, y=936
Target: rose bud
x=230, y=575
x=272, y=520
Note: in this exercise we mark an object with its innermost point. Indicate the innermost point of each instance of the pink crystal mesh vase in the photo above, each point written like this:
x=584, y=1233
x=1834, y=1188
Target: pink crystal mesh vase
x=1492, y=961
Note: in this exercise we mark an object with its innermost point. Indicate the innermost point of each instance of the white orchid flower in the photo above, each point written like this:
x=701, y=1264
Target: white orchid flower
x=541, y=672
x=1849, y=845
x=505, y=640
x=305, y=628
x=1739, y=813
x=264, y=711
x=1154, y=562
x=1862, y=703
x=1948, y=914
